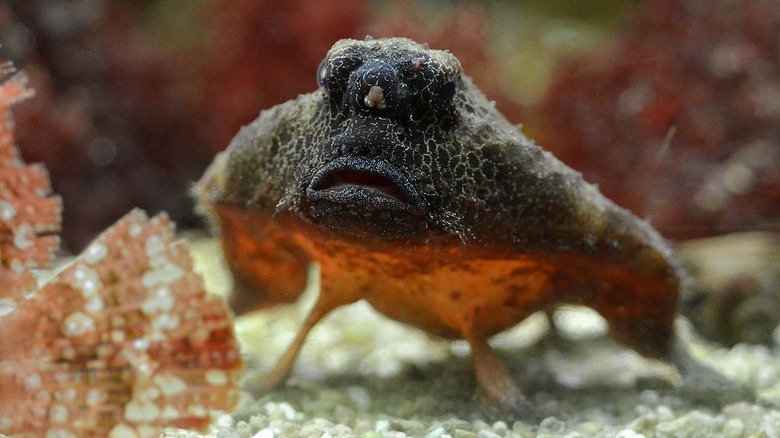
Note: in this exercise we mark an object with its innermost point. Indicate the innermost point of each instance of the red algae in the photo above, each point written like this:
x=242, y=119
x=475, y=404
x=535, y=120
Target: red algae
x=121, y=115
x=677, y=118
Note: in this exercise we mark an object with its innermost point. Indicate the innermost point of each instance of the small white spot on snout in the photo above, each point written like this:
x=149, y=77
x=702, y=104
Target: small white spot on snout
x=375, y=98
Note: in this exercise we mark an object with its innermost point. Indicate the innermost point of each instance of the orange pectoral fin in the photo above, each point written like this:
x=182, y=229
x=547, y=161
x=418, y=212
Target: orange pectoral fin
x=268, y=266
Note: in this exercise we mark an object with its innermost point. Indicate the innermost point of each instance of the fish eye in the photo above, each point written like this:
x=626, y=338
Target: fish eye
x=334, y=72
x=322, y=71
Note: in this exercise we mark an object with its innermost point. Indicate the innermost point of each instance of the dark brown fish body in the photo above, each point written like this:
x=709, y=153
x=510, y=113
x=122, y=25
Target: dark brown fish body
x=412, y=192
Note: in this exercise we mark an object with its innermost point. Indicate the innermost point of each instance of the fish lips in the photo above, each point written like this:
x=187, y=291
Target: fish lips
x=370, y=183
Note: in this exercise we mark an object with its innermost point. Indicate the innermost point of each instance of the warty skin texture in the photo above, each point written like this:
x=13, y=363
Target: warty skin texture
x=412, y=192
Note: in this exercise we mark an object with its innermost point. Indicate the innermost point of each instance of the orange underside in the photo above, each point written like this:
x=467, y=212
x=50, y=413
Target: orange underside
x=446, y=288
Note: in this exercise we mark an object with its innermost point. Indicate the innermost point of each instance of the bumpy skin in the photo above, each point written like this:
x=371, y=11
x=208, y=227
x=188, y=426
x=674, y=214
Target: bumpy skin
x=407, y=186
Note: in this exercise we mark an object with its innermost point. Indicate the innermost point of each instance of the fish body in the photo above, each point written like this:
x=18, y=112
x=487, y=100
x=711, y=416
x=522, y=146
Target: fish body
x=412, y=192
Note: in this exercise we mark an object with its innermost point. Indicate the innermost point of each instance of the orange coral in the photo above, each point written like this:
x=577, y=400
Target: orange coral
x=123, y=341
x=28, y=211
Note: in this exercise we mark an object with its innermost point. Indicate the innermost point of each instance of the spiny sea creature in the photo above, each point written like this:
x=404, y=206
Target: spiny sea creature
x=412, y=192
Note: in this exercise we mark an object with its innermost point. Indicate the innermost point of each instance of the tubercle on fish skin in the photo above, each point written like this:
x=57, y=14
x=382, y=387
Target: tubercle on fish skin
x=123, y=341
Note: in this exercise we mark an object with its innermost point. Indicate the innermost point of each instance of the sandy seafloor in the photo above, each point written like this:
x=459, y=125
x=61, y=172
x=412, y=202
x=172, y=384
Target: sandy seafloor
x=362, y=375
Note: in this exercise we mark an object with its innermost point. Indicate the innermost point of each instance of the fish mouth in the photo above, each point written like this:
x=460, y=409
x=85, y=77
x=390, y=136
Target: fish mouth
x=368, y=183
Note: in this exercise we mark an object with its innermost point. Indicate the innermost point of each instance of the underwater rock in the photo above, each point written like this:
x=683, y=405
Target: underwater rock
x=735, y=293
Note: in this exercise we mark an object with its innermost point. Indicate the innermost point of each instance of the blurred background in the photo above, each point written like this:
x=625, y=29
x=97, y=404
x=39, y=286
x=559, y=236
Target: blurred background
x=671, y=106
